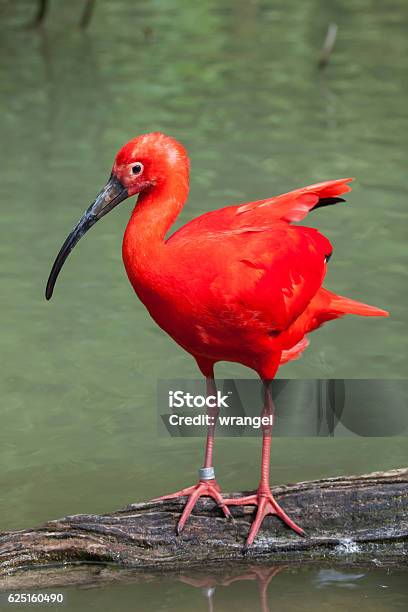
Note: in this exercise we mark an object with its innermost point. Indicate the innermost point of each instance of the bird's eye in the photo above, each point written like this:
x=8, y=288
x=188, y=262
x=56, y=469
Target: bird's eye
x=137, y=168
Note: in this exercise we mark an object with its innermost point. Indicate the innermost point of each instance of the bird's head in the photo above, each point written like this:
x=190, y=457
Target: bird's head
x=149, y=161
x=146, y=162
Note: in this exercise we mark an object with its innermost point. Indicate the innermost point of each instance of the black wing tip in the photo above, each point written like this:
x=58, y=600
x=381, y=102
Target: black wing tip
x=327, y=202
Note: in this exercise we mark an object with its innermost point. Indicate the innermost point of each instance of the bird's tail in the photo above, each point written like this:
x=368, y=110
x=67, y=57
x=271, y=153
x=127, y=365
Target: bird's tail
x=325, y=306
x=339, y=305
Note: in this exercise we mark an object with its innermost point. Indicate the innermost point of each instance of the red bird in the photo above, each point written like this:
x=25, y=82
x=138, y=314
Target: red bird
x=237, y=284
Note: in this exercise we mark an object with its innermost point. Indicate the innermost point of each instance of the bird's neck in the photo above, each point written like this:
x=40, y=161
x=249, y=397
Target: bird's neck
x=155, y=212
x=157, y=209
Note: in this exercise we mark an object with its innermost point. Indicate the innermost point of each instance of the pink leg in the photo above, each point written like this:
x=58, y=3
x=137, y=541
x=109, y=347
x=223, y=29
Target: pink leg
x=263, y=498
x=207, y=485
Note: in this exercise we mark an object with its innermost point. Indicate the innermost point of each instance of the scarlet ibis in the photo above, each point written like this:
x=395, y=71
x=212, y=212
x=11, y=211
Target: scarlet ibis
x=237, y=284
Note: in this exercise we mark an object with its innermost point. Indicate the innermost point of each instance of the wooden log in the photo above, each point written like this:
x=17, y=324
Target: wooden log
x=355, y=518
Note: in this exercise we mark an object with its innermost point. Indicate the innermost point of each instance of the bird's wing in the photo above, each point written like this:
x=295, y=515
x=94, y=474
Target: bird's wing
x=274, y=273
x=295, y=205
x=288, y=207
x=250, y=264
x=254, y=278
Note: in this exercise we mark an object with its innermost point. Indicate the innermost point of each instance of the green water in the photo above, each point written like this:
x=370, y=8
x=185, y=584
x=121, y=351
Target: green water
x=236, y=82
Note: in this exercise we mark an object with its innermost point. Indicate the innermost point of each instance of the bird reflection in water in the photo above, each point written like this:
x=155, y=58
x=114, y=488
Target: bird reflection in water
x=263, y=575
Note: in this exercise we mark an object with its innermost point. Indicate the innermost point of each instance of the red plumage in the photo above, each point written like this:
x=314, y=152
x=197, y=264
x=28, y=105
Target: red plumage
x=239, y=283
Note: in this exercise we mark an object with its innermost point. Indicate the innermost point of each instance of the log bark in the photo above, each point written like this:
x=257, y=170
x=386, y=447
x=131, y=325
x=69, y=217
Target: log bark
x=356, y=519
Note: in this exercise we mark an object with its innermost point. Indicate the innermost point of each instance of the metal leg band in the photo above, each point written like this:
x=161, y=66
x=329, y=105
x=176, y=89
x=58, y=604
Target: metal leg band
x=206, y=473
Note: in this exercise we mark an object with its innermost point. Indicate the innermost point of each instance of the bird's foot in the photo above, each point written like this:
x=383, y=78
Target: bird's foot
x=267, y=504
x=204, y=488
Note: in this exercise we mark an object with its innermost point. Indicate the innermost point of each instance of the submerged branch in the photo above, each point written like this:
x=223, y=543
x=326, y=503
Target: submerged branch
x=87, y=14
x=42, y=10
x=328, y=45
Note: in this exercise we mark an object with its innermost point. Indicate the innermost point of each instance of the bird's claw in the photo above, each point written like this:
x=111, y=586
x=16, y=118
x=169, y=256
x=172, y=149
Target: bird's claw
x=266, y=504
x=204, y=488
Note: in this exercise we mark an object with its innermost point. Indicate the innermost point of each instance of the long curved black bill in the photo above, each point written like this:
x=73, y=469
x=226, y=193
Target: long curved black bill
x=111, y=195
